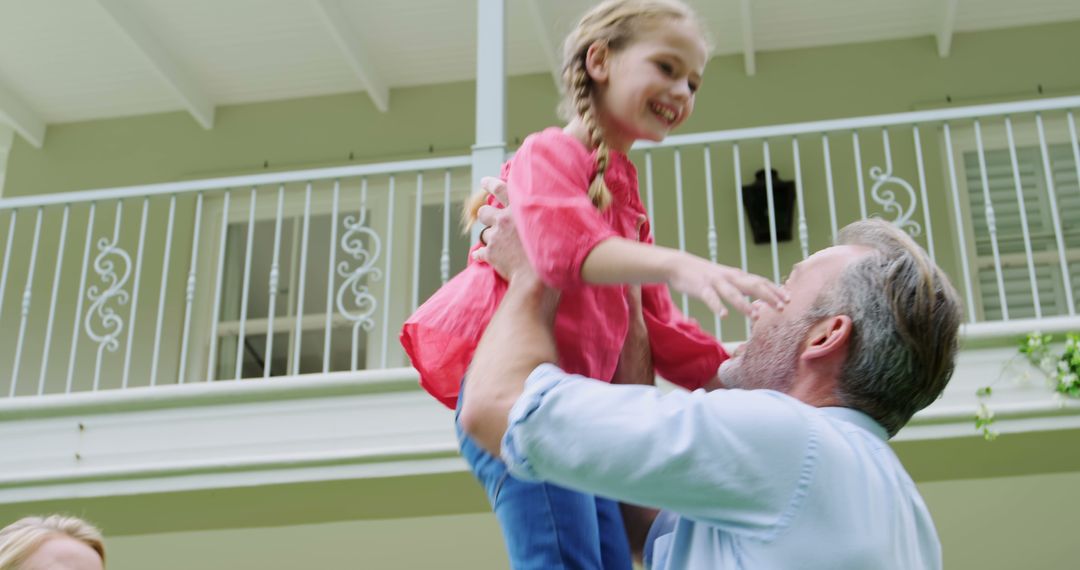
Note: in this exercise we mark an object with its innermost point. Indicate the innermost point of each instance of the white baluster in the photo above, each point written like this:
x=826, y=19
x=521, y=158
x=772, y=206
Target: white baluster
x=887, y=197
x=274, y=282
x=1055, y=215
x=327, y=334
x=245, y=288
x=135, y=291
x=711, y=237
x=303, y=278
x=1075, y=145
x=26, y=297
x=857, y=149
x=90, y=216
x=772, y=212
x=444, y=256
x=7, y=256
x=111, y=323
x=741, y=217
x=991, y=221
x=166, y=255
x=804, y=231
x=417, y=223
x=680, y=216
x=1023, y=217
x=959, y=221
x=52, y=302
x=387, y=289
x=829, y=185
x=189, y=290
x=219, y=277
x=922, y=193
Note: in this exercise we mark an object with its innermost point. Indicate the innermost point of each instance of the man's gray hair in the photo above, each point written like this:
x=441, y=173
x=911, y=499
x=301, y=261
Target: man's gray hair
x=905, y=325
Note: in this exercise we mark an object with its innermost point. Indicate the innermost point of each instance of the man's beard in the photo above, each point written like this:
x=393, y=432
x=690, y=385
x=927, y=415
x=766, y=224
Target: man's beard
x=768, y=360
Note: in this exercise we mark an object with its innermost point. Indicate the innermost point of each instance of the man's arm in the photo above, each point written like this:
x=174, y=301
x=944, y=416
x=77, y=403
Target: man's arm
x=518, y=339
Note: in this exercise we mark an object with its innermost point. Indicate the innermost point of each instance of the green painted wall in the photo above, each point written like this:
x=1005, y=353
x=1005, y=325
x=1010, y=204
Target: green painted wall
x=984, y=524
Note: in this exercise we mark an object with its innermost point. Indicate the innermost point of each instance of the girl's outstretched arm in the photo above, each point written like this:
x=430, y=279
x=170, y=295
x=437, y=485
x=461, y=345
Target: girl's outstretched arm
x=620, y=260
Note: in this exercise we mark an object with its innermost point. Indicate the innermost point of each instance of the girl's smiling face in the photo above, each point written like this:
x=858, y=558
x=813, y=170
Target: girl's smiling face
x=647, y=88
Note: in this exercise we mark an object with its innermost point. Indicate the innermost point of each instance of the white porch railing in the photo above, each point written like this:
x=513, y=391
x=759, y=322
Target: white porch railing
x=312, y=272
x=990, y=191
x=252, y=276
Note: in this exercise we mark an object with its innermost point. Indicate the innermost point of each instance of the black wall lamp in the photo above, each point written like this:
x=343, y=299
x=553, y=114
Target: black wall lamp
x=756, y=203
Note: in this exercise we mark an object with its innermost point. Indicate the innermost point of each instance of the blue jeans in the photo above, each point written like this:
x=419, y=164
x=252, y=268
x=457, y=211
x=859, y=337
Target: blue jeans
x=545, y=526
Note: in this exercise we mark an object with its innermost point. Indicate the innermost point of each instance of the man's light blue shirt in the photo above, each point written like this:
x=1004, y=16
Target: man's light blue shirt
x=758, y=479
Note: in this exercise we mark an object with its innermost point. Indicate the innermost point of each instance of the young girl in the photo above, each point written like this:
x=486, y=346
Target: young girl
x=630, y=71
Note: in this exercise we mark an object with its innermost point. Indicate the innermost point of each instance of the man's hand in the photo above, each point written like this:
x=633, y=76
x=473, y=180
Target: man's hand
x=502, y=249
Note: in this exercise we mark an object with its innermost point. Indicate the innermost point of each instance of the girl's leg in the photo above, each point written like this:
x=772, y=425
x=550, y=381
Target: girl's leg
x=545, y=526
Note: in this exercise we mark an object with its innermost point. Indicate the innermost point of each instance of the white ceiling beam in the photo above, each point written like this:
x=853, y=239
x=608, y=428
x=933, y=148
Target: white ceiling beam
x=948, y=24
x=550, y=49
x=348, y=40
x=747, y=38
x=20, y=117
x=184, y=86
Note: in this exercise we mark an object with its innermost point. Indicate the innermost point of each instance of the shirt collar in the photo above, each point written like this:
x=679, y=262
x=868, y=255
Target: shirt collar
x=858, y=418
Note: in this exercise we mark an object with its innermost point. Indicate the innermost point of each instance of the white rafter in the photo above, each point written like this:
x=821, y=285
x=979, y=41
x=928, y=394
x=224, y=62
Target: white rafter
x=544, y=34
x=185, y=87
x=16, y=113
x=948, y=24
x=747, y=37
x=349, y=41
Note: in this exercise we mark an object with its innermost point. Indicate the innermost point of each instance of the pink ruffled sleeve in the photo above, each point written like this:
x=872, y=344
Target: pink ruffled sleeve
x=548, y=183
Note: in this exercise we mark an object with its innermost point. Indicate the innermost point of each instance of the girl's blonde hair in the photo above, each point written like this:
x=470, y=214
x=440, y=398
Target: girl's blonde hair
x=616, y=24
x=20, y=539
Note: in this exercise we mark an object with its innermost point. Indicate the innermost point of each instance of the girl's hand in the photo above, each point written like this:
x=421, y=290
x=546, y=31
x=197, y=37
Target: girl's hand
x=715, y=284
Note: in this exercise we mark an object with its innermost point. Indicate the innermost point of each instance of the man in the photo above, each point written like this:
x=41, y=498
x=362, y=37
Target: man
x=788, y=467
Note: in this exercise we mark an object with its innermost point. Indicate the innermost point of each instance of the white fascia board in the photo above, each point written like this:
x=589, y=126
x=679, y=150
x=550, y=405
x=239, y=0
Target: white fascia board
x=184, y=86
x=20, y=117
x=948, y=24
x=747, y=38
x=333, y=17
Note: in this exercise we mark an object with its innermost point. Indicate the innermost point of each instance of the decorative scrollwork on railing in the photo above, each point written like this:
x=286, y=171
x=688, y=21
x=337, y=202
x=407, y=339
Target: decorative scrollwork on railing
x=887, y=198
x=111, y=325
x=363, y=303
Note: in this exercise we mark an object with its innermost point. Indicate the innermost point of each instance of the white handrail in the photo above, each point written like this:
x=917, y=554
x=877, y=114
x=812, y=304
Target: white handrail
x=910, y=118
x=246, y=181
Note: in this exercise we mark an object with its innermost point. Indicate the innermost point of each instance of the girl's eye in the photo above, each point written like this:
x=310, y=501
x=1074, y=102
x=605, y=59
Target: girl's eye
x=693, y=87
x=665, y=67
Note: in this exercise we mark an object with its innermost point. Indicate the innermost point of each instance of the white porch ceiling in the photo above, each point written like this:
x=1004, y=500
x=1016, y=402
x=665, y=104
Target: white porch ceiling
x=75, y=60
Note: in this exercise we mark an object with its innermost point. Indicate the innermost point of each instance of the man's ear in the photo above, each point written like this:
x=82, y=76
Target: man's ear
x=597, y=61
x=828, y=337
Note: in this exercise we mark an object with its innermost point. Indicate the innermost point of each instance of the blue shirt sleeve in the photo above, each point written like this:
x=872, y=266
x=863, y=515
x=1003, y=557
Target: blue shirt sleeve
x=740, y=460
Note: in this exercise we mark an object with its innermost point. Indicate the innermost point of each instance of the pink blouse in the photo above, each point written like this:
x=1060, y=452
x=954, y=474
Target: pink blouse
x=548, y=179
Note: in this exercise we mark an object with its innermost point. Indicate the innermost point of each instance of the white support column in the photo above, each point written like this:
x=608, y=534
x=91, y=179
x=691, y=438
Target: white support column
x=747, y=37
x=948, y=24
x=489, y=152
x=7, y=140
x=143, y=39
